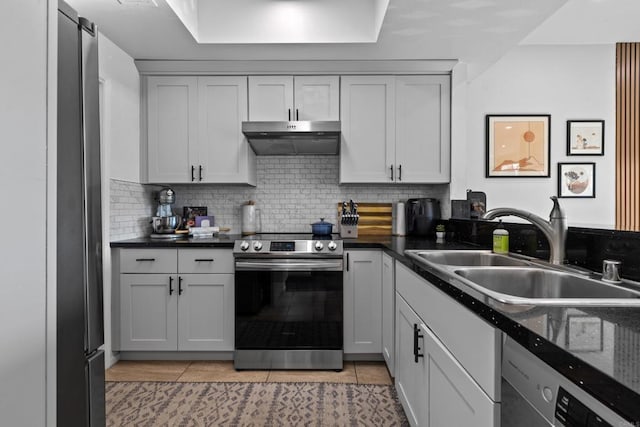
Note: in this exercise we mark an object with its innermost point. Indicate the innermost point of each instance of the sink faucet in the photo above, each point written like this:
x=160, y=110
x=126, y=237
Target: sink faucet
x=555, y=230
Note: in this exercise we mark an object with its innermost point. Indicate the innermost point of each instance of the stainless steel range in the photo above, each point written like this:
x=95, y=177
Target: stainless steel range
x=288, y=302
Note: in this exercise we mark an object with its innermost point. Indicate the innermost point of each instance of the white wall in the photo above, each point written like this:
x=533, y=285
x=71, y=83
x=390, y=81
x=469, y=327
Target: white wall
x=568, y=82
x=23, y=172
x=121, y=126
x=120, y=138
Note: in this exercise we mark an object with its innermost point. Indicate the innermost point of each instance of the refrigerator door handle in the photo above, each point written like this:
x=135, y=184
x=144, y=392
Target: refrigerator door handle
x=95, y=390
x=92, y=221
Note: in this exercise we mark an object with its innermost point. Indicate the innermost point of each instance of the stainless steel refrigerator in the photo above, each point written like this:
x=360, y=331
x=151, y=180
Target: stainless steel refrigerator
x=80, y=329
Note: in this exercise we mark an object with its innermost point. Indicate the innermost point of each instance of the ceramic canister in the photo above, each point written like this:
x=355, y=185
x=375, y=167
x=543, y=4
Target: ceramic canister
x=248, y=219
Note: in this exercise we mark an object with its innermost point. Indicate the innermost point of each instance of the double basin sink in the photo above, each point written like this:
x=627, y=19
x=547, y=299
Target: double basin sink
x=512, y=280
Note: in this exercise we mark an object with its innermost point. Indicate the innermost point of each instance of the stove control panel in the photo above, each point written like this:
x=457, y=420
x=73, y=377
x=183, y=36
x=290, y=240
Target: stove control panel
x=288, y=247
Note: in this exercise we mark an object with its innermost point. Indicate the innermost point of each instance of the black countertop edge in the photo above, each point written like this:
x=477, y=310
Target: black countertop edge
x=619, y=398
x=223, y=241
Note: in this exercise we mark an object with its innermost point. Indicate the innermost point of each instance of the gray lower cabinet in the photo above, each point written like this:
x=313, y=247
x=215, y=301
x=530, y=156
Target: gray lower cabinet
x=388, y=312
x=447, y=359
x=176, y=300
x=362, y=302
x=205, y=312
x=148, y=312
x=411, y=374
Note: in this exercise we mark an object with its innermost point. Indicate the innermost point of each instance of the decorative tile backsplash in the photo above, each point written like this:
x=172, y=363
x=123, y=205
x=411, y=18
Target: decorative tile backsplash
x=132, y=206
x=294, y=191
x=291, y=193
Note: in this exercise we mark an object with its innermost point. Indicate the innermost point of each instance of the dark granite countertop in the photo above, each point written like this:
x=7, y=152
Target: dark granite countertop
x=220, y=241
x=596, y=348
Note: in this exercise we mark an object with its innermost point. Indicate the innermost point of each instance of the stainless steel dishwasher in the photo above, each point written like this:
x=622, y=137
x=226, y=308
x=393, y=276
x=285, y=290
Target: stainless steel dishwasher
x=534, y=394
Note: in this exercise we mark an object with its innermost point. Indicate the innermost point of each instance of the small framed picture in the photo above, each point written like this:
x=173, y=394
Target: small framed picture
x=518, y=145
x=584, y=333
x=191, y=212
x=585, y=137
x=577, y=180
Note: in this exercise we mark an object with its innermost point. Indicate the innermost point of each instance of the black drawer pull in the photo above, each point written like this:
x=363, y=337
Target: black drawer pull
x=170, y=285
x=416, y=348
x=180, y=290
x=203, y=260
x=145, y=259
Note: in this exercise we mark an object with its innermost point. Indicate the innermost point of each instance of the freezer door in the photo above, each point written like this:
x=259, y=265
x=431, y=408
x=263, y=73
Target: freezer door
x=96, y=396
x=92, y=195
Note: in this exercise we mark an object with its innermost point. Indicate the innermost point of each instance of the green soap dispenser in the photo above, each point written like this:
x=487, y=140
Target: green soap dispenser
x=500, y=239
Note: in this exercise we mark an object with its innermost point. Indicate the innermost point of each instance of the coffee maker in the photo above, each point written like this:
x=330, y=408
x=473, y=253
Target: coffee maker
x=165, y=222
x=421, y=216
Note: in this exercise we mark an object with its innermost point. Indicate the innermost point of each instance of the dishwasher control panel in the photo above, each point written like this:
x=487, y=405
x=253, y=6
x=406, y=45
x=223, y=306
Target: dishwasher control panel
x=571, y=412
x=557, y=399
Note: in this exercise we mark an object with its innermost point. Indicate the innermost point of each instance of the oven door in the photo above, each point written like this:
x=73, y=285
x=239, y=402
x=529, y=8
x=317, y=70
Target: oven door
x=288, y=304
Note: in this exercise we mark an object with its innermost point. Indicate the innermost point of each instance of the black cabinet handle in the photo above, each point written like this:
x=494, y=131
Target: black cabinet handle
x=145, y=259
x=347, y=261
x=289, y=114
x=391, y=168
x=297, y=116
x=200, y=173
x=170, y=285
x=193, y=170
x=416, y=348
x=180, y=290
x=400, y=173
x=203, y=260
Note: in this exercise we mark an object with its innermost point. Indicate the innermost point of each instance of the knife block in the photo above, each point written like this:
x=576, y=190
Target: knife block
x=349, y=231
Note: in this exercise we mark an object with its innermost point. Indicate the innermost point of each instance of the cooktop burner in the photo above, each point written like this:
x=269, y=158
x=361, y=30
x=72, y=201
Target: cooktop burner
x=288, y=245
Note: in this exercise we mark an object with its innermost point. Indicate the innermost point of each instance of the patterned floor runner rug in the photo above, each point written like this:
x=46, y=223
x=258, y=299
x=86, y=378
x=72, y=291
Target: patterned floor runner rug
x=252, y=404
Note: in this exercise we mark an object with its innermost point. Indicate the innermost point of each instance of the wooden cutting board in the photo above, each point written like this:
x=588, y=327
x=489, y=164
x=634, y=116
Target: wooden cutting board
x=375, y=218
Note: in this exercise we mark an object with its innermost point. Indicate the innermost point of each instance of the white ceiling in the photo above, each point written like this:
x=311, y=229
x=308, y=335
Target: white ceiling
x=262, y=22
x=474, y=31
x=477, y=32
x=590, y=22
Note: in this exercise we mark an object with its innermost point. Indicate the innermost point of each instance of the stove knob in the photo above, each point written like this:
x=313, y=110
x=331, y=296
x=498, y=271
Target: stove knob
x=332, y=246
x=244, y=245
x=319, y=246
x=257, y=246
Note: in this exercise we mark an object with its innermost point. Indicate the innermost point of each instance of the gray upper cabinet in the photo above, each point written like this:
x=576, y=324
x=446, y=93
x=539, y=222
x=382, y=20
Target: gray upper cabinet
x=172, y=128
x=194, y=130
x=290, y=98
x=396, y=129
x=422, y=127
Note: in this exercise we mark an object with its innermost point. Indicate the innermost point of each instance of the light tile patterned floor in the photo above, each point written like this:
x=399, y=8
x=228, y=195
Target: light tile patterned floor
x=223, y=371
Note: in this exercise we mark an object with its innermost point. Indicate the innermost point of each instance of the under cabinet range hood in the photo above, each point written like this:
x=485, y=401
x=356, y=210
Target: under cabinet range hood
x=293, y=138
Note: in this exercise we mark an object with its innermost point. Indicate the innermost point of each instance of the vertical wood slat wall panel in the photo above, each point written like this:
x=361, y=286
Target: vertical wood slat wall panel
x=628, y=136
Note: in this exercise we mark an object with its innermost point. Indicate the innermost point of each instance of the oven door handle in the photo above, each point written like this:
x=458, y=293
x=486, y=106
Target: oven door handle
x=289, y=266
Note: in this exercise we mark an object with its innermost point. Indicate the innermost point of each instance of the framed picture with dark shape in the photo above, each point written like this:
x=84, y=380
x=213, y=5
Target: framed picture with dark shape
x=585, y=137
x=518, y=145
x=577, y=180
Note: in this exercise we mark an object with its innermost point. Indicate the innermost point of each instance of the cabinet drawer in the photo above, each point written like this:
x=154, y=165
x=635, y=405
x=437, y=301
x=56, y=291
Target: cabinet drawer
x=148, y=260
x=205, y=261
x=472, y=341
